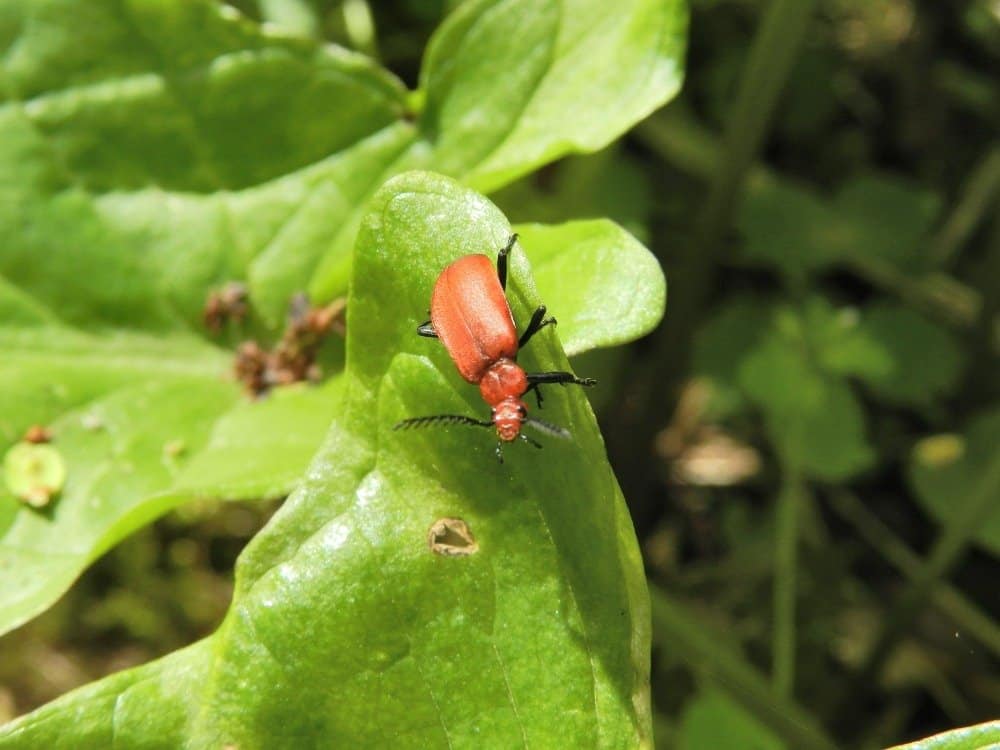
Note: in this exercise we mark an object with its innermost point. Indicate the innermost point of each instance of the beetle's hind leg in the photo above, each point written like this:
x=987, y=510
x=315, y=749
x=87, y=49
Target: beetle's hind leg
x=538, y=322
x=502, y=261
x=426, y=329
x=558, y=376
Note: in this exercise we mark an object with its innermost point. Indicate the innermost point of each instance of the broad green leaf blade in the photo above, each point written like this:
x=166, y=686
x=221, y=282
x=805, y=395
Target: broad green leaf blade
x=945, y=468
x=978, y=737
x=346, y=628
x=121, y=180
x=116, y=137
x=137, y=450
x=607, y=287
x=559, y=76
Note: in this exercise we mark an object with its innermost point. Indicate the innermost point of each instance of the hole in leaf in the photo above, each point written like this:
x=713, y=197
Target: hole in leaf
x=451, y=537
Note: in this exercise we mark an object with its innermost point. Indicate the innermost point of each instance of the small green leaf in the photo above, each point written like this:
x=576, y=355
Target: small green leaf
x=558, y=77
x=798, y=231
x=607, y=287
x=779, y=358
x=940, y=478
x=924, y=358
x=713, y=719
x=815, y=420
x=978, y=737
x=346, y=627
x=788, y=227
x=891, y=217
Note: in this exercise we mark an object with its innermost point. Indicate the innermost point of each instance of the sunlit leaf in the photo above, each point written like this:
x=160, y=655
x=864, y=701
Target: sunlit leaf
x=345, y=626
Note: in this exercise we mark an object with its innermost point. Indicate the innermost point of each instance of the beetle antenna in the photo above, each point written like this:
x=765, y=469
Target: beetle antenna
x=530, y=440
x=440, y=419
x=548, y=428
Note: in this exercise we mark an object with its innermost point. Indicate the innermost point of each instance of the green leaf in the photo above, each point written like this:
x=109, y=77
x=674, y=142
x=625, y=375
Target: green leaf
x=559, y=77
x=797, y=231
x=944, y=469
x=924, y=358
x=510, y=85
x=896, y=352
x=790, y=228
x=607, y=287
x=713, y=719
x=779, y=358
x=978, y=737
x=815, y=421
x=891, y=216
x=721, y=344
x=125, y=199
x=345, y=627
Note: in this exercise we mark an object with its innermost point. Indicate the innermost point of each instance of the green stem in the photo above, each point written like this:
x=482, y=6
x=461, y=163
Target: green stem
x=706, y=653
x=774, y=50
x=978, y=196
x=966, y=615
x=945, y=554
x=785, y=567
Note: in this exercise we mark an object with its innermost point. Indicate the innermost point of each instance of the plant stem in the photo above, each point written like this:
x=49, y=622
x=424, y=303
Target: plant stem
x=775, y=48
x=707, y=654
x=785, y=565
x=946, y=552
x=966, y=614
x=978, y=196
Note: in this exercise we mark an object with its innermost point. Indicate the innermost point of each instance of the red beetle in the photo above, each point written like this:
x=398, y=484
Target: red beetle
x=471, y=316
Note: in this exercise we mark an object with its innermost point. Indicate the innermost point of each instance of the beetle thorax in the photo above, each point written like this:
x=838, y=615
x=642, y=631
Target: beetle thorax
x=503, y=380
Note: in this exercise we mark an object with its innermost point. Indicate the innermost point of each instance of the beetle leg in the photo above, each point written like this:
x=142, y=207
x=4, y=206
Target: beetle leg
x=500, y=451
x=538, y=394
x=502, y=261
x=537, y=323
x=427, y=329
x=538, y=378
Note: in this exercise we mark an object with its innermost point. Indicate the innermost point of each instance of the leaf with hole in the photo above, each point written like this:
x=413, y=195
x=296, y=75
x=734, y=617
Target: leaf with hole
x=346, y=625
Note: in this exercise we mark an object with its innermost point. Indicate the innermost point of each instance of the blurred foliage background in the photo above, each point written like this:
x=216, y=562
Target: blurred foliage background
x=810, y=443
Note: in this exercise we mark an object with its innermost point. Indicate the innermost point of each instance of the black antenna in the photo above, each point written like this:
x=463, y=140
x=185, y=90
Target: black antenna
x=548, y=428
x=530, y=440
x=440, y=419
